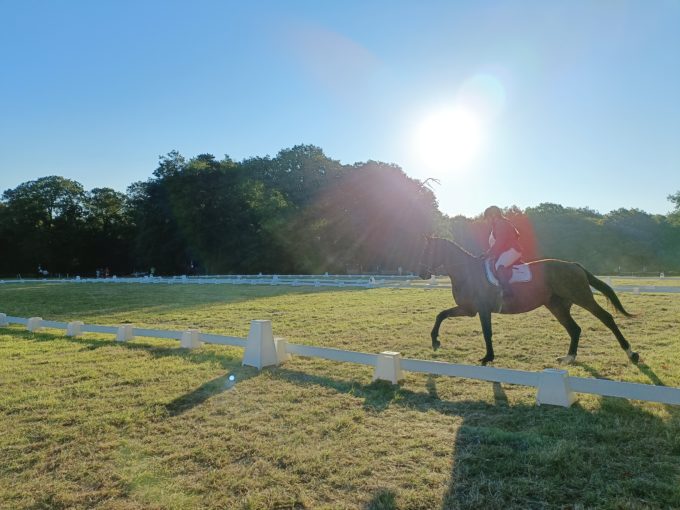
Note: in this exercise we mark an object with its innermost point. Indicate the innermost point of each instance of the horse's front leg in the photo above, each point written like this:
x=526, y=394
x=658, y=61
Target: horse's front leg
x=485, y=319
x=456, y=311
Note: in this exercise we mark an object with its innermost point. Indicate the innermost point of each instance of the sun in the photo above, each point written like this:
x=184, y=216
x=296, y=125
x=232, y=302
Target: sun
x=449, y=139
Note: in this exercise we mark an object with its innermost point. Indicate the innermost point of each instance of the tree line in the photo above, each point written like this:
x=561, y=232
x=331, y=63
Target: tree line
x=297, y=212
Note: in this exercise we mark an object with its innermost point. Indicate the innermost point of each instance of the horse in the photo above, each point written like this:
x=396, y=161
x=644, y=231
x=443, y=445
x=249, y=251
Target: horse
x=555, y=284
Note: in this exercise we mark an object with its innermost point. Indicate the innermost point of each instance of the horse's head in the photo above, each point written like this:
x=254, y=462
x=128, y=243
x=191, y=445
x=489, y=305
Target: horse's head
x=430, y=258
x=440, y=252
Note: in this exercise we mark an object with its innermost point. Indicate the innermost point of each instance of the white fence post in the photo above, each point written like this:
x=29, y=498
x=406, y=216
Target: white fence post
x=34, y=324
x=74, y=328
x=124, y=333
x=554, y=388
x=260, y=349
x=388, y=367
x=190, y=339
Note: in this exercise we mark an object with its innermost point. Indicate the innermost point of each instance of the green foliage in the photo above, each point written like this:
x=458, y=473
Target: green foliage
x=41, y=220
x=622, y=241
x=675, y=200
x=298, y=212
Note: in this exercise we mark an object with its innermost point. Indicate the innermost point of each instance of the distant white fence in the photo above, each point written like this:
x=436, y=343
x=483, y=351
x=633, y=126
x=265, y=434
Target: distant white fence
x=665, y=285
x=271, y=280
x=554, y=386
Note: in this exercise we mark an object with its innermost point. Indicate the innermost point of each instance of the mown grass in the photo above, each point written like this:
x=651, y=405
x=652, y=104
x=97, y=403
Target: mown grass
x=91, y=423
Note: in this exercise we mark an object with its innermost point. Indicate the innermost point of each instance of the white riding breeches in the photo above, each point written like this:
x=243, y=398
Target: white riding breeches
x=508, y=258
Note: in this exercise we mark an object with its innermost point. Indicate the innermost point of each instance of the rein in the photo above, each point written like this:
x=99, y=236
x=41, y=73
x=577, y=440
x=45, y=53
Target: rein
x=431, y=269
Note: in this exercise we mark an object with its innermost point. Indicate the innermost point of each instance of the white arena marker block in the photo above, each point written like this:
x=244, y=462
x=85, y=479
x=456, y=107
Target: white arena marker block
x=282, y=355
x=34, y=324
x=388, y=367
x=74, y=328
x=3, y=320
x=190, y=339
x=554, y=389
x=124, y=333
x=260, y=348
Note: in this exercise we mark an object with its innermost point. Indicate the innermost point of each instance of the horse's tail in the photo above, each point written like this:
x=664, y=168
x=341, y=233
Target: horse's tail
x=606, y=290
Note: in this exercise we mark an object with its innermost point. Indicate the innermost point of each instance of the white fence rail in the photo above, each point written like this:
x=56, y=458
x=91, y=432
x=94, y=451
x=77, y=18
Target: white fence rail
x=555, y=387
x=661, y=285
x=269, y=280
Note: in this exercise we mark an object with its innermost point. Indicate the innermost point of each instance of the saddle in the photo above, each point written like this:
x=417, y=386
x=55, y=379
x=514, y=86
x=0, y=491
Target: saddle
x=521, y=273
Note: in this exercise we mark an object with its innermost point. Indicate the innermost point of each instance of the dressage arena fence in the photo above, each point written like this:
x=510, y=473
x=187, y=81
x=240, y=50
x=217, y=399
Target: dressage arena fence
x=662, y=284
x=261, y=349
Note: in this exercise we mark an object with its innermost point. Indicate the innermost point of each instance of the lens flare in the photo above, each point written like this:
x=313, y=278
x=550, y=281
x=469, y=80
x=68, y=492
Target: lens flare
x=449, y=139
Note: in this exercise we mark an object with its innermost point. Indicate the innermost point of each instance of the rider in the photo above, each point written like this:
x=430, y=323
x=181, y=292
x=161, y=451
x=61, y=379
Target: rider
x=504, y=248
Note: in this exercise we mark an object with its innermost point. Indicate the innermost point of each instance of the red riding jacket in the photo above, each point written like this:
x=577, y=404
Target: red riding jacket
x=506, y=236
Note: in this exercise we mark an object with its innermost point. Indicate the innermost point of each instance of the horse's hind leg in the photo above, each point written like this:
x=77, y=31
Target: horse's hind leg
x=561, y=310
x=606, y=318
x=456, y=311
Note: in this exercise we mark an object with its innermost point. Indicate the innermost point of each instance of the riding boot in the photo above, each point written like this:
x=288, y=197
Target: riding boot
x=504, y=275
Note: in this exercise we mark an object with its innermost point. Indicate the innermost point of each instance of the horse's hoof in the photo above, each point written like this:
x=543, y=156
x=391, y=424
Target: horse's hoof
x=485, y=360
x=635, y=358
x=566, y=360
x=436, y=344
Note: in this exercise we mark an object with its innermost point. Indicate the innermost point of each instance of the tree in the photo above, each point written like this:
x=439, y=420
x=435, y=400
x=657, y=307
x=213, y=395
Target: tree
x=170, y=164
x=108, y=231
x=675, y=200
x=373, y=218
x=46, y=215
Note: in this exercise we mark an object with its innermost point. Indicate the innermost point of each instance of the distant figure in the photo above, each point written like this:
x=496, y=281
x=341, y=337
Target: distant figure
x=504, y=248
x=152, y=271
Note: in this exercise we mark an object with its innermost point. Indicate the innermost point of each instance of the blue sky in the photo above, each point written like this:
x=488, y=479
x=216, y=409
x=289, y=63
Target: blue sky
x=574, y=102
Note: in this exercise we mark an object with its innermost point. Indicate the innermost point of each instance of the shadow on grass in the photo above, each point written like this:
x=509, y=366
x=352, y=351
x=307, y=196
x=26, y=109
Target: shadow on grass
x=647, y=370
x=526, y=456
x=208, y=390
x=384, y=500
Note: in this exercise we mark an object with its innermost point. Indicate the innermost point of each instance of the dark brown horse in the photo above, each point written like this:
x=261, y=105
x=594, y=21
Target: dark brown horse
x=555, y=284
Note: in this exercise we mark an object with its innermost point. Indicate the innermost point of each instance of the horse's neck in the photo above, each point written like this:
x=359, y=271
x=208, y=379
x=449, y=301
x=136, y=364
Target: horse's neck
x=455, y=258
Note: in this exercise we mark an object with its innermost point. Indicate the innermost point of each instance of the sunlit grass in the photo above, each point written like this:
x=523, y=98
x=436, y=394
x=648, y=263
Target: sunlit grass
x=91, y=423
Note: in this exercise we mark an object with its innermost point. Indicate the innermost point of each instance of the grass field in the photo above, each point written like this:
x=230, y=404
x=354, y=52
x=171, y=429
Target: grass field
x=91, y=423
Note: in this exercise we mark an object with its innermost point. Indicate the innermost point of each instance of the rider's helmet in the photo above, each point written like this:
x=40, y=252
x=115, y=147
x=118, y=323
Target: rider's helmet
x=492, y=212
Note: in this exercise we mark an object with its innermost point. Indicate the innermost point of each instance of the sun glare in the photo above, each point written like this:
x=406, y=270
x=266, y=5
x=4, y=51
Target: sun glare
x=449, y=139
